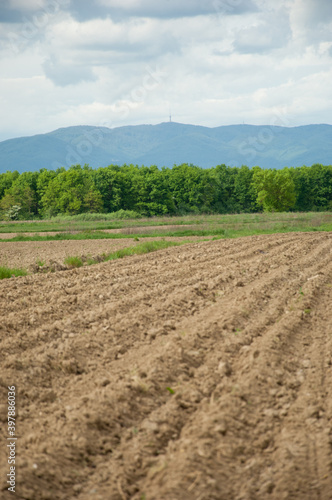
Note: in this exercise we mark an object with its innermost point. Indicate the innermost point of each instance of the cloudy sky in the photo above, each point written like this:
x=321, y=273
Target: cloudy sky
x=128, y=62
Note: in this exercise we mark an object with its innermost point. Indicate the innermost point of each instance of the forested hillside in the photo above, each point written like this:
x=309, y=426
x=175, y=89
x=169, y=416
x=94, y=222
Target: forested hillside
x=170, y=143
x=150, y=191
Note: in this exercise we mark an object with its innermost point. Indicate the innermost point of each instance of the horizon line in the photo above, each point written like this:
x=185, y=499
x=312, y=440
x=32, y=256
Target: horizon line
x=168, y=123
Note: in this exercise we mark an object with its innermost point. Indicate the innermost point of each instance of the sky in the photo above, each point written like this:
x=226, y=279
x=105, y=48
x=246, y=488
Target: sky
x=128, y=62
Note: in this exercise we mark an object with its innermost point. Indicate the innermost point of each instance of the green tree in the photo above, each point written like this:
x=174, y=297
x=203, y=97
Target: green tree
x=93, y=201
x=114, y=184
x=243, y=193
x=26, y=197
x=43, y=181
x=66, y=192
x=6, y=204
x=6, y=181
x=275, y=189
x=192, y=189
x=151, y=192
x=225, y=178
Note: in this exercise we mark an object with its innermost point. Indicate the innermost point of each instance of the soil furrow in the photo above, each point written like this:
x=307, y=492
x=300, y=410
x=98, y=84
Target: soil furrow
x=198, y=372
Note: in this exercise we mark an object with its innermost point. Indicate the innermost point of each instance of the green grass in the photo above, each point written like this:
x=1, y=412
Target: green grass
x=227, y=226
x=90, y=261
x=142, y=248
x=98, y=235
x=101, y=221
x=7, y=272
x=217, y=233
x=73, y=261
x=93, y=222
x=119, y=215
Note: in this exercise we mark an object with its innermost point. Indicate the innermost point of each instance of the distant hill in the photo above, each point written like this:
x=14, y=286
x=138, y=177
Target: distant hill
x=169, y=143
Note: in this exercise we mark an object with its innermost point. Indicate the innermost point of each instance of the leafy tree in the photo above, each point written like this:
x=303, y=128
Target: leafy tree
x=192, y=188
x=26, y=197
x=243, y=191
x=114, y=185
x=6, y=204
x=66, y=192
x=225, y=179
x=150, y=191
x=43, y=181
x=93, y=201
x=275, y=189
x=6, y=181
x=7, y=201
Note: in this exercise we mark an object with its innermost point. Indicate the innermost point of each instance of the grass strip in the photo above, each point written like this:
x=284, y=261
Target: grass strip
x=85, y=222
x=142, y=248
x=276, y=230
x=8, y=272
x=223, y=233
x=90, y=226
x=99, y=235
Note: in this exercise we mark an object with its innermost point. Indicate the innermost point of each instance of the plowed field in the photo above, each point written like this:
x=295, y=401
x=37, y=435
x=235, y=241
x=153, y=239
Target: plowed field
x=198, y=372
x=27, y=253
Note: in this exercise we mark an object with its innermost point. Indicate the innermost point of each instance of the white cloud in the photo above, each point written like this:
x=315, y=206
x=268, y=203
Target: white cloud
x=263, y=35
x=308, y=13
x=166, y=9
x=311, y=21
x=227, y=61
x=24, y=5
x=67, y=73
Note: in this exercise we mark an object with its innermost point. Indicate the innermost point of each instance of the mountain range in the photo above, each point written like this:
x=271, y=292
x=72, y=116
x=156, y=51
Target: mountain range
x=170, y=143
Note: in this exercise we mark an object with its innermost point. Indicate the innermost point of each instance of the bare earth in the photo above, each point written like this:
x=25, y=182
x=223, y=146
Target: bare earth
x=26, y=253
x=199, y=372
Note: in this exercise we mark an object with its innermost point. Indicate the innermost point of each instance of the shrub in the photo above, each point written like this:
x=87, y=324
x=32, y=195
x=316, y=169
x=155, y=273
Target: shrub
x=120, y=214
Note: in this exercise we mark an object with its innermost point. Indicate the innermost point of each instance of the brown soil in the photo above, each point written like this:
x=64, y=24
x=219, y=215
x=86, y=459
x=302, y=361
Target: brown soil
x=199, y=372
x=27, y=253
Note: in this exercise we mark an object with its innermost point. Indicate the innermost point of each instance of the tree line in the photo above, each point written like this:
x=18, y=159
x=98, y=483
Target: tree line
x=152, y=191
